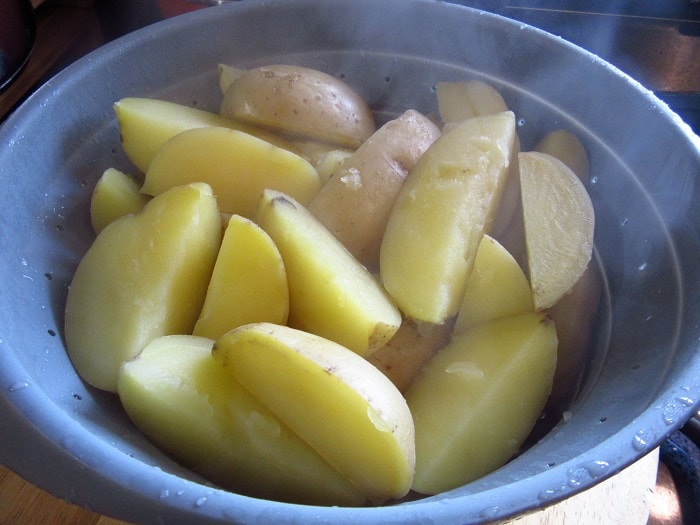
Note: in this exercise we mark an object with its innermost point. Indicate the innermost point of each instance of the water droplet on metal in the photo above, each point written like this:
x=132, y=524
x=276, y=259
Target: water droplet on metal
x=490, y=513
x=640, y=442
x=597, y=468
x=165, y=493
x=200, y=501
x=18, y=385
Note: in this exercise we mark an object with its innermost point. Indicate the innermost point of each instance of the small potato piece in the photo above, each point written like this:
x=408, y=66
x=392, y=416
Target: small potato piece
x=238, y=166
x=356, y=202
x=183, y=400
x=146, y=124
x=227, y=74
x=478, y=399
x=458, y=101
x=249, y=283
x=567, y=147
x=323, y=156
x=445, y=206
x=559, y=224
x=336, y=401
x=299, y=101
x=330, y=293
x=405, y=355
x=497, y=287
x=116, y=194
x=144, y=276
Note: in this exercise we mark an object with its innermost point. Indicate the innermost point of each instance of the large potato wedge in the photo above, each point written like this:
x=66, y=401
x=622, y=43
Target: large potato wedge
x=299, y=101
x=336, y=401
x=145, y=124
x=479, y=398
x=183, y=400
x=144, y=276
x=330, y=293
x=356, y=202
x=238, y=166
x=445, y=206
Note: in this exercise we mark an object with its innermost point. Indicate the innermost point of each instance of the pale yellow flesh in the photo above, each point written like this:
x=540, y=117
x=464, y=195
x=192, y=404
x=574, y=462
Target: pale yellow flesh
x=356, y=202
x=301, y=102
x=238, y=166
x=458, y=101
x=249, y=282
x=559, y=223
x=330, y=293
x=479, y=398
x=497, y=287
x=116, y=194
x=145, y=124
x=445, y=206
x=188, y=405
x=227, y=74
x=144, y=276
x=567, y=147
x=405, y=355
x=336, y=401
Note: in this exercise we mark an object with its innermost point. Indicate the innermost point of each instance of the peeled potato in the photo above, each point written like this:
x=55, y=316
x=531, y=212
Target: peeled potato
x=116, y=194
x=299, y=101
x=567, y=147
x=336, y=401
x=458, y=101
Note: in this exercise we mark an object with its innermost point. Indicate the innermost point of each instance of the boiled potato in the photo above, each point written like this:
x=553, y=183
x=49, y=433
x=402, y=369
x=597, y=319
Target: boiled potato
x=559, y=224
x=567, y=147
x=227, y=74
x=336, y=401
x=144, y=276
x=458, y=101
x=324, y=157
x=249, y=282
x=330, y=293
x=186, y=403
x=145, y=124
x=300, y=102
x=446, y=204
x=116, y=194
x=478, y=399
x=405, y=355
x=355, y=203
x=497, y=287
x=238, y=166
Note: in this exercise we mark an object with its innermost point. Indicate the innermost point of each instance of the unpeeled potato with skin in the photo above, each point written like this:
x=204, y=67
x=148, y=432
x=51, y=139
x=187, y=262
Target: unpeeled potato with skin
x=299, y=101
x=336, y=401
x=356, y=202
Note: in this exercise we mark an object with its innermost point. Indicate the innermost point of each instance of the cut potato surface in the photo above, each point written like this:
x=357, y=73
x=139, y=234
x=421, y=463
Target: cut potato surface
x=458, y=101
x=445, y=206
x=144, y=276
x=249, y=282
x=238, y=166
x=479, y=398
x=116, y=194
x=185, y=401
x=335, y=400
x=330, y=293
x=559, y=225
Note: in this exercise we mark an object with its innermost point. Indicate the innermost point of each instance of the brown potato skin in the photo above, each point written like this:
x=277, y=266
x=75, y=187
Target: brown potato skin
x=301, y=102
x=356, y=201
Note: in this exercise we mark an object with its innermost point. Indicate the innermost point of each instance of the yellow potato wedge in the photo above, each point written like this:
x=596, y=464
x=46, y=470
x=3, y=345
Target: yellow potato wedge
x=185, y=402
x=336, y=401
x=238, y=166
x=116, y=194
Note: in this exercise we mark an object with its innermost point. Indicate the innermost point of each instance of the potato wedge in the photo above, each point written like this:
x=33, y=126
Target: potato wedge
x=356, y=202
x=559, y=223
x=249, y=282
x=458, y=101
x=567, y=147
x=116, y=194
x=336, y=401
x=497, y=287
x=238, y=166
x=186, y=403
x=479, y=398
x=446, y=204
x=299, y=101
x=145, y=124
x=330, y=293
x=144, y=276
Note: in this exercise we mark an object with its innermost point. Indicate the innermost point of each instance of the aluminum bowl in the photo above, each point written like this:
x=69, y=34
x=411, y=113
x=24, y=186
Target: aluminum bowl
x=644, y=377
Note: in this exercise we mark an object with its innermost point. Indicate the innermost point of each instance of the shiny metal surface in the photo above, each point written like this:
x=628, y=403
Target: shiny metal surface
x=645, y=377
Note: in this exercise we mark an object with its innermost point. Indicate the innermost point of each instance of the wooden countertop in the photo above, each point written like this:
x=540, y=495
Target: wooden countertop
x=632, y=497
